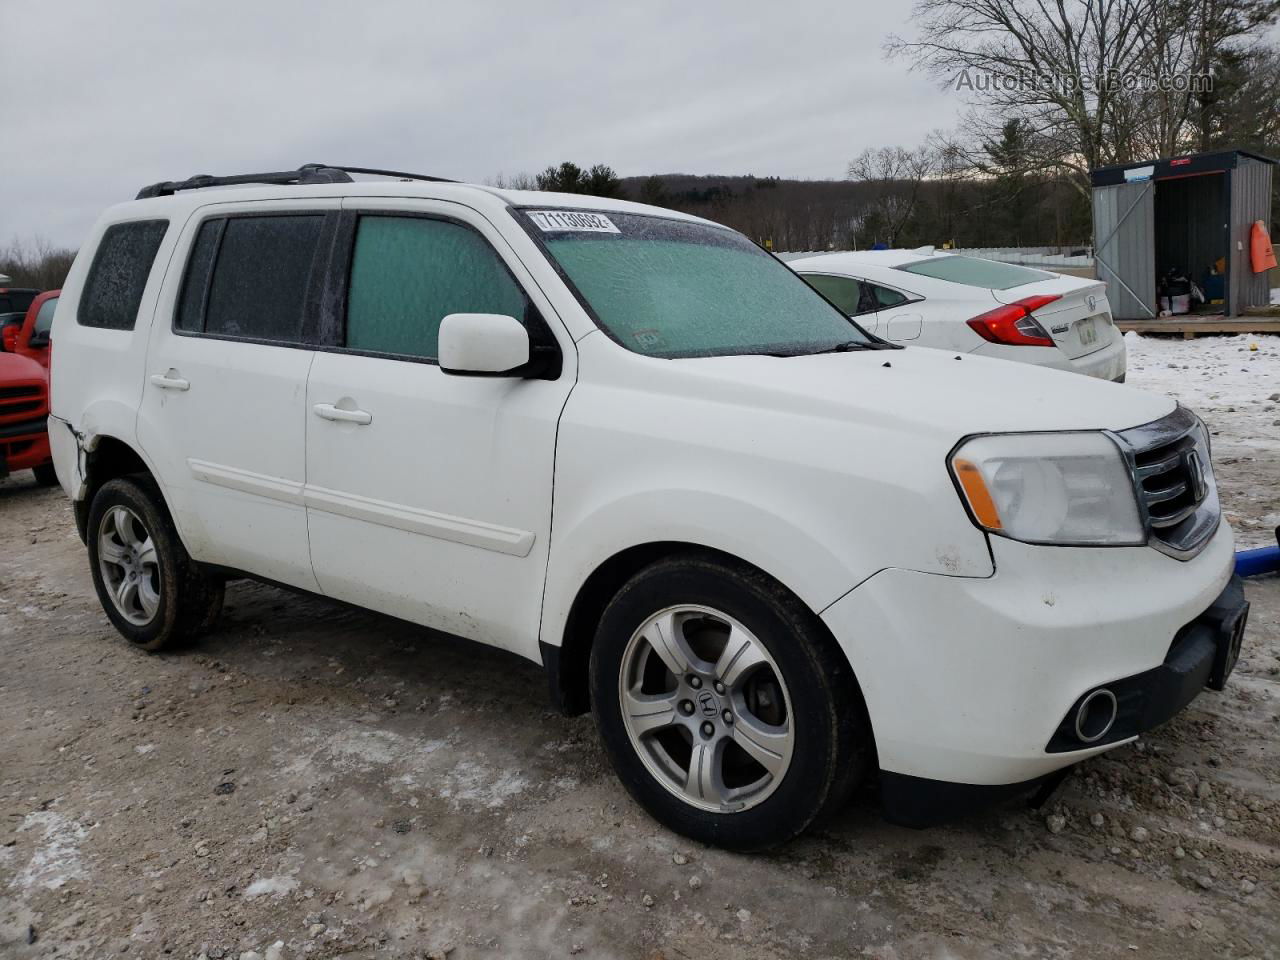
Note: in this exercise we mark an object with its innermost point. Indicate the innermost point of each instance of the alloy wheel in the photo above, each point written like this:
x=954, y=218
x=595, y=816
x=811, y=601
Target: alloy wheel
x=129, y=565
x=706, y=708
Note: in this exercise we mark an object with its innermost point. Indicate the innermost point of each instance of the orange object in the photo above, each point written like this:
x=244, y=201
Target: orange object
x=1261, y=254
x=975, y=489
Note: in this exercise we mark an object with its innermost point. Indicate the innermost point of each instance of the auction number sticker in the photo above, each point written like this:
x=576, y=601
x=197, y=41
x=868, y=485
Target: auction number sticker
x=554, y=221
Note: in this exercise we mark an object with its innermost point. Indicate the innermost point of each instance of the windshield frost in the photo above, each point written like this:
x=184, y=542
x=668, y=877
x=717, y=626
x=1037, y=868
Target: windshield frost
x=670, y=288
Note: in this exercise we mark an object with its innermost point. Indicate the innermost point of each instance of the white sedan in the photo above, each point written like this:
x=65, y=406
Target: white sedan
x=930, y=298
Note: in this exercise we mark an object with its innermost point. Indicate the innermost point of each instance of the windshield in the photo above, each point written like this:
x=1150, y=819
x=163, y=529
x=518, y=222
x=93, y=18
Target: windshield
x=671, y=288
x=973, y=272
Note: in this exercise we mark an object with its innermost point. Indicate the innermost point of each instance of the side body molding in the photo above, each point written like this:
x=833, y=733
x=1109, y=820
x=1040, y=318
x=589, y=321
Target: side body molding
x=476, y=533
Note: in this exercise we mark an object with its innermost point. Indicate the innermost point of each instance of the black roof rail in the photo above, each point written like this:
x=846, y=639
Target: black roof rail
x=394, y=173
x=307, y=173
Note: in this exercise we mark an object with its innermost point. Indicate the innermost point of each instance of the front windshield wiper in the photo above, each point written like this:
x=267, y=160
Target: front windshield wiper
x=851, y=345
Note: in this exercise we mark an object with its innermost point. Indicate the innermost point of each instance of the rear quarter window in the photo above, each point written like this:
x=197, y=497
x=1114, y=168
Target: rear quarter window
x=973, y=272
x=118, y=275
x=844, y=292
x=885, y=297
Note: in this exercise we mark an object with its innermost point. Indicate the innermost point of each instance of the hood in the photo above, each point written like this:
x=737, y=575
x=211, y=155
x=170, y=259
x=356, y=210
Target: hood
x=921, y=389
x=15, y=368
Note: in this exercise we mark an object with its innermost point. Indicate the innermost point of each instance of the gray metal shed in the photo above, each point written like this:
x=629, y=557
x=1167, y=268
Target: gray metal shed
x=1184, y=213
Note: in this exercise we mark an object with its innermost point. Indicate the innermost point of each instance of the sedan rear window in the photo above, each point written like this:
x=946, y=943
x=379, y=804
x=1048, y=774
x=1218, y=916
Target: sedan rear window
x=973, y=272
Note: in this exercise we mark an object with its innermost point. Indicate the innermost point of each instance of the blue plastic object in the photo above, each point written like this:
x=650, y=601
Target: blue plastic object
x=1251, y=563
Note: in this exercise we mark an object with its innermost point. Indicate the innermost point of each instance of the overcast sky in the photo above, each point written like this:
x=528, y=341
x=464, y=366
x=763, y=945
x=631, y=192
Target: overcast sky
x=99, y=98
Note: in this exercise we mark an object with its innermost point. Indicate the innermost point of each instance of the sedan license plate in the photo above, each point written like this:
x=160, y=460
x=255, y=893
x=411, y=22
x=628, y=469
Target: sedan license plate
x=1088, y=331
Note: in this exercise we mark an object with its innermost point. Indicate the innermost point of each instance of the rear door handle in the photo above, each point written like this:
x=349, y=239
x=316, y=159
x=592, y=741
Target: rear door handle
x=327, y=411
x=166, y=382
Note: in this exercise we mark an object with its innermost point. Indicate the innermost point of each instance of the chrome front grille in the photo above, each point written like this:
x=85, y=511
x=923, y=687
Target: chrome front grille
x=1173, y=477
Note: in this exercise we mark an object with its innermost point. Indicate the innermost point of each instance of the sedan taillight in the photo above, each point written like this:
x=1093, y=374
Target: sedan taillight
x=1013, y=324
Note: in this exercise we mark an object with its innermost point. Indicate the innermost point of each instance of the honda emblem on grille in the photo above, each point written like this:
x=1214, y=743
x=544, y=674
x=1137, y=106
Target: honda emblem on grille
x=1092, y=301
x=1195, y=475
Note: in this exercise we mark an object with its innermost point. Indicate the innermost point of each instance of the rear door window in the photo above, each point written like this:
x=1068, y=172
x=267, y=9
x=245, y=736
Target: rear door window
x=249, y=277
x=118, y=275
x=409, y=273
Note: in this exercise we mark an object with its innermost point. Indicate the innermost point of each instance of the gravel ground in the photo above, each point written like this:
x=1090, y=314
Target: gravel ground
x=313, y=781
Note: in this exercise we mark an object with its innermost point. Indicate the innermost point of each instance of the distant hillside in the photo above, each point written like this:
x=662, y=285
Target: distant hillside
x=839, y=214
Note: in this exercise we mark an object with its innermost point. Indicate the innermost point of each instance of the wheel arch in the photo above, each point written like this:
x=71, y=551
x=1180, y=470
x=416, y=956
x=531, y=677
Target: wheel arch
x=567, y=664
x=105, y=458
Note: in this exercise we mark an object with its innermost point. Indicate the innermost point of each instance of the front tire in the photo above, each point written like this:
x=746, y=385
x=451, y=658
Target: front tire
x=46, y=476
x=151, y=590
x=724, y=705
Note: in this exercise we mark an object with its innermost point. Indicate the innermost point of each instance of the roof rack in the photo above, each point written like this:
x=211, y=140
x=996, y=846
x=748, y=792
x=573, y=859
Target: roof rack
x=307, y=173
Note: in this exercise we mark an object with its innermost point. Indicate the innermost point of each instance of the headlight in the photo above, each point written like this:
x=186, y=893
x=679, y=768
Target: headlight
x=1062, y=488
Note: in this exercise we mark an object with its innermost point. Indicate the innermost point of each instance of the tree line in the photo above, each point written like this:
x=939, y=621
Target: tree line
x=37, y=264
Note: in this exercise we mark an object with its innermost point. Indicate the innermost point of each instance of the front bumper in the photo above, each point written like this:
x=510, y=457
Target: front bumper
x=967, y=681
x=23, y=445
x=1203, y=654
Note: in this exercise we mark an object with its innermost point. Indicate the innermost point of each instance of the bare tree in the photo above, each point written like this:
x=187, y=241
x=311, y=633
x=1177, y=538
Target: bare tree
x=1043, y=63
x=517, y=181
x=1095, y=81
x=895, y=174
x=36, y=263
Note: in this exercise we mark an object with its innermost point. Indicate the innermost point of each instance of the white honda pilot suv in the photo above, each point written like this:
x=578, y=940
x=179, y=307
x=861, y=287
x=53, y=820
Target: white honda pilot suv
x=770, y=552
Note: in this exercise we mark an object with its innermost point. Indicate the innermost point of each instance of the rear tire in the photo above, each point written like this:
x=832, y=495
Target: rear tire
x=739, y=757
x=46, y=476
x=152, y=591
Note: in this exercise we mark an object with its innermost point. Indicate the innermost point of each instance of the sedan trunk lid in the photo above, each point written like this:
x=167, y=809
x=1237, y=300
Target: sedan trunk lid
x=1079, y=320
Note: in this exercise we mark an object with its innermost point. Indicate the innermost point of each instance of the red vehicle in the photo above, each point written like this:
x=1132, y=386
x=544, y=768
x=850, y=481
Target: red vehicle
x=14, y=302
x=24, y=393
x=31, y=338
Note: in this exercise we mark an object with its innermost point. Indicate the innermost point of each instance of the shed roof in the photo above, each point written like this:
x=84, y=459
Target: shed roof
x=1188, y=164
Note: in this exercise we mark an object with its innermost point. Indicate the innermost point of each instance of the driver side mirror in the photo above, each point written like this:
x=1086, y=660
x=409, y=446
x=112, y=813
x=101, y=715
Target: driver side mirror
x=10, y=337
x=484, y=345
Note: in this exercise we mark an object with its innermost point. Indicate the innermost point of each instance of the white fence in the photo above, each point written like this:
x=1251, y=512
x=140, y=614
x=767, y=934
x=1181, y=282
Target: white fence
x=1034, y=256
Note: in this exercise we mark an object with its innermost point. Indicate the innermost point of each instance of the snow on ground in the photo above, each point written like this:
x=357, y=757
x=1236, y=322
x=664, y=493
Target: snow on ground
x=1234, y=384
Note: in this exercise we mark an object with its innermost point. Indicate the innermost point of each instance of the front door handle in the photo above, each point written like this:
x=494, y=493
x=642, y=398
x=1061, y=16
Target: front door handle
x=170, y=381
x=327, y=411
